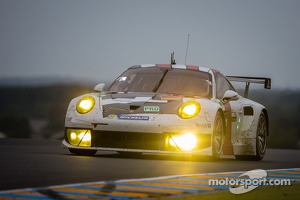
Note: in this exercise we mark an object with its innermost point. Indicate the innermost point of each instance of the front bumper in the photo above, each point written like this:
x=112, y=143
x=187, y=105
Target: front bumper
x=138, y=142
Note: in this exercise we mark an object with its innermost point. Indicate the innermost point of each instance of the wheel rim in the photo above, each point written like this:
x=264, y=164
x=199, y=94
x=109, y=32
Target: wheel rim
x=262, y=134
x=218, y=134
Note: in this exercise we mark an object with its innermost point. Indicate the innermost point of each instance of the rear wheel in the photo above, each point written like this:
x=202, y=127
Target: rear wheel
x=83, y=152
x=218, y=136
x=261, y=140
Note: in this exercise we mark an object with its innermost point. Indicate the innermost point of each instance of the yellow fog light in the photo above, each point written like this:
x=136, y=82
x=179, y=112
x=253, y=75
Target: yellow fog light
x=185, y=142
x=79, y=137
x=189, y=109
x=85, y=104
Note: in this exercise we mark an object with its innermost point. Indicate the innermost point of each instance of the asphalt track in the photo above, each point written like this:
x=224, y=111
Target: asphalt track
x=170, y=186
x=43, y=163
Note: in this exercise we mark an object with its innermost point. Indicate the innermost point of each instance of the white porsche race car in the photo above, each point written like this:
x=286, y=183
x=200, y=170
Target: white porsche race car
x=167, y=108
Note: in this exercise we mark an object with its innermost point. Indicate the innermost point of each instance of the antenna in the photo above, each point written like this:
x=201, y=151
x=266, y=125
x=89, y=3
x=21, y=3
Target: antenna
x=173, y=62
x=187, y=48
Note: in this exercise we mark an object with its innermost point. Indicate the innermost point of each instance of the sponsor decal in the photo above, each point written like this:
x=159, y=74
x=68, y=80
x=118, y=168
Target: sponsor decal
x=151, y=108
x=207, y=117
x=131, y=117
x=203, y=125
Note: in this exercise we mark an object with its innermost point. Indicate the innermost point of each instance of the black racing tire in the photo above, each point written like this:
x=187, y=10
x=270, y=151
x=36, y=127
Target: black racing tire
x=261, y=140
x=83, y=152
x=218, y=136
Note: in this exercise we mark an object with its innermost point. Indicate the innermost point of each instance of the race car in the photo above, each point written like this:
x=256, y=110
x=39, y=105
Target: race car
x=169, y=108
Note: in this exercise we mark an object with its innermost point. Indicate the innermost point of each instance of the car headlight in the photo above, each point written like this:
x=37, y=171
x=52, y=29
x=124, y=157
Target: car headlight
x=185, y=142
x=85, y=104
x=79, y=137
x=189, y=109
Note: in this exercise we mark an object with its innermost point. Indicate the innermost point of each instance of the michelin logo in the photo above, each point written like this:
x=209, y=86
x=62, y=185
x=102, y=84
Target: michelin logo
x=130, y=117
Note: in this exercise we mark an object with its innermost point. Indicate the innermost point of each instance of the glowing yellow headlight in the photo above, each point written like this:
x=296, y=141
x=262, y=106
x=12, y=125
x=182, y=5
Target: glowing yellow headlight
x=189, y=109
x=79, y=137
x=185, y=142
x=85, y=104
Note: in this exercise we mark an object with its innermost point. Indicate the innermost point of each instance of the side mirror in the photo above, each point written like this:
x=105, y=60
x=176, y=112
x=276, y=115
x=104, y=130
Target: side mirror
x=230, y=95
x=99, y=87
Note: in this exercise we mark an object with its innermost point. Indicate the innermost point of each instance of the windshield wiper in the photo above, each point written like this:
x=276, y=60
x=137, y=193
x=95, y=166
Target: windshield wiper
x=160, y=81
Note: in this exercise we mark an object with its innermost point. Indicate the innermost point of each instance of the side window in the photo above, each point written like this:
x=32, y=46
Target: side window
x=222, y=85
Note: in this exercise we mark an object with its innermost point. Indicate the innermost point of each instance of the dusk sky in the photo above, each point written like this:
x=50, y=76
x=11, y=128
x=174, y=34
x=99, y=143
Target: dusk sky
x=98, y=40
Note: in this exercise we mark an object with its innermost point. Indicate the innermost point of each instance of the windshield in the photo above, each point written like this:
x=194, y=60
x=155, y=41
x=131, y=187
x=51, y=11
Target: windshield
x=170, y=81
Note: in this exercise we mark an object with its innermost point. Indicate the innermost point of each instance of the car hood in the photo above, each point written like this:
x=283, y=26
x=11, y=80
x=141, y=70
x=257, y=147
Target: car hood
x=139, y=103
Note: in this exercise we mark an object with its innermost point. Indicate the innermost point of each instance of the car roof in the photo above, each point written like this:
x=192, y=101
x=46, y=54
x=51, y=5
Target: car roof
x=176, y=66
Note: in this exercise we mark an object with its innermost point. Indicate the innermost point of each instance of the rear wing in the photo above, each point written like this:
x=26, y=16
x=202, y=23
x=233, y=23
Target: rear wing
x=248, y=80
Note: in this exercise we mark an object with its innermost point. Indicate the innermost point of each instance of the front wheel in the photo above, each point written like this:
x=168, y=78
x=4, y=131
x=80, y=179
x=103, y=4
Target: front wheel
x=218, y=136
x=261, y=140
x=83, y=152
